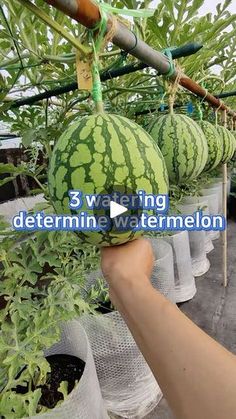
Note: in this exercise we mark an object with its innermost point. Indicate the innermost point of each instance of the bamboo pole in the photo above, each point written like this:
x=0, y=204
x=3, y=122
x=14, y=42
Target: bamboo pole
x=224, y=202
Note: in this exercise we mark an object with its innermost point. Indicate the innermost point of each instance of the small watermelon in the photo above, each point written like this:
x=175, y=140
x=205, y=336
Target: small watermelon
x=215, y=145
x=234, y=135
x=183, y=145
x=101, y=151
x=228, y=143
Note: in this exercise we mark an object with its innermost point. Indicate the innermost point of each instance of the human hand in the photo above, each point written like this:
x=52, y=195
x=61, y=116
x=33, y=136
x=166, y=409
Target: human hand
x=128, y=263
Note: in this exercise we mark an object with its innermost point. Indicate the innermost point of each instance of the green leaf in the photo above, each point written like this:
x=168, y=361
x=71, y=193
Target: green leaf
x=63, y=388
x=28, y=136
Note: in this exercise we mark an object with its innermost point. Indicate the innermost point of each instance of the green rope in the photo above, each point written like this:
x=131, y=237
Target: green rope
x=96, y=46
x=199, y=112
x=140, y=13
x=168, y=53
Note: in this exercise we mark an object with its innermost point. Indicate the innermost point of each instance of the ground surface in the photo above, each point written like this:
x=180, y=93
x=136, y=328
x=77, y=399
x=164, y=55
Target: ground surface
x=213, y=308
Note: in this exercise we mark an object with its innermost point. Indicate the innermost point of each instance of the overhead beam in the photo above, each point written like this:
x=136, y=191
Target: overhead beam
x=87, y=13
x=179, y=52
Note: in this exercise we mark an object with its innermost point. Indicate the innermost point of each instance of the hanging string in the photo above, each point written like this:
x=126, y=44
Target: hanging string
x=173, y=90
x=206, y=93
x=216, y=113
x=199, y=106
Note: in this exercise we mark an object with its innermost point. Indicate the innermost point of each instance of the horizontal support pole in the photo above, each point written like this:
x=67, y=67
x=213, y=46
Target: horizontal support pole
x=183, y=51
x=226, y=94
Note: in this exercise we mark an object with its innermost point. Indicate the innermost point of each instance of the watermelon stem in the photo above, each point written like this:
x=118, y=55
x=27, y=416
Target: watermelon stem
x=99, y=107
x=171, y=104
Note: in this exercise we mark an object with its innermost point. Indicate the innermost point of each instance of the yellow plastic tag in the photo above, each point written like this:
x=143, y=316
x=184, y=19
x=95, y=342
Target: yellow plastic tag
x=84, y=73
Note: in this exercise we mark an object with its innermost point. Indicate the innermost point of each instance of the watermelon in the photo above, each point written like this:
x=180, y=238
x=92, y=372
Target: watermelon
x=234, y=135
x=215, y=145
x=101, y=151
x=183, y=145
x=228, y=143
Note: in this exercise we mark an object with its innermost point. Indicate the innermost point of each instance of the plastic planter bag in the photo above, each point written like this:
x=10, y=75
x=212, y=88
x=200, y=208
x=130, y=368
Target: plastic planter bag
x=212, y=195
x=163, y=270
x=197, y=239
x=217, y=184
x=185, y=287
x=128, y=386
x=201, y=203
x=85, y=401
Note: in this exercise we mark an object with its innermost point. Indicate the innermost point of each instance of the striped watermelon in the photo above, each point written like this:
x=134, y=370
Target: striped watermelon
x=183, y=145
x=101, y=151
x=228, y=143
x=234, y=135
x=215, y=145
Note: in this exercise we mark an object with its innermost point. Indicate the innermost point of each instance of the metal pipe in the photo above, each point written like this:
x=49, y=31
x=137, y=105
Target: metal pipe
x=195, y=88
x=226, y=94
x=179, y=52
x=87, y=13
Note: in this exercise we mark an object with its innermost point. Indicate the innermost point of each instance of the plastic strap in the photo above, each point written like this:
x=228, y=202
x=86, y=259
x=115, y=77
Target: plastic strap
x=168, y=54
x=216, y=112
x=96, y=45
x=200, y=113
x=141, y=13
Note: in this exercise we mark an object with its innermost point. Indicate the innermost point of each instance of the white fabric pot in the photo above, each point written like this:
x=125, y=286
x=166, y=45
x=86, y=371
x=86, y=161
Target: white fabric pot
x=185, y=287
x=11, y=208
x=85, y=401
x=213, y=197
x=163, y=270
x=128, y=386
x=197, y=240
x=217, y=183
x=202, y=203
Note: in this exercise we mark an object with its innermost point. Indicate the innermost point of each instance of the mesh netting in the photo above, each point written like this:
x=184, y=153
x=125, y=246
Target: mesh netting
x=85, y=401
x=218, y=185
x=163, y=270
x=10, y=208
x=185, y=287
x=128, y=386
x=213, y=197
x=197, y=239
x=202, y=203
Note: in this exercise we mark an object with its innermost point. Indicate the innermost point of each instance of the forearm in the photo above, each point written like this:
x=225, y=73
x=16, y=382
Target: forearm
x=195, y=373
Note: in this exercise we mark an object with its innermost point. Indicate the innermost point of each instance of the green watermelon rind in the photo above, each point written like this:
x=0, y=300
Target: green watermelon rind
x=215, y=145
x=183, y=145
x=100, y=151
x=228, y=144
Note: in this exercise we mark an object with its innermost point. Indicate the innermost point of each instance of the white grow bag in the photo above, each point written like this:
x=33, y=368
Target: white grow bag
x=197, y=239
x=213, y=197
x=201, y=202
x=185, y=287
x=163, y=270
x=128, y=386
x=85, y=401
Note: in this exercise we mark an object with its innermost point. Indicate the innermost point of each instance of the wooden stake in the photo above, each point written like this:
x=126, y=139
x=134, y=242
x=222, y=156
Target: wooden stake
x=224, y=198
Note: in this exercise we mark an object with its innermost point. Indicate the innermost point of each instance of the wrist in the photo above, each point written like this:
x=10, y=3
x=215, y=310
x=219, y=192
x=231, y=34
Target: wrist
x=125, y=290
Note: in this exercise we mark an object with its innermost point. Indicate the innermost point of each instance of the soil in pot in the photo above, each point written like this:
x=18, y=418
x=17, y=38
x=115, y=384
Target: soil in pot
x=63, y=368
x=104, y=307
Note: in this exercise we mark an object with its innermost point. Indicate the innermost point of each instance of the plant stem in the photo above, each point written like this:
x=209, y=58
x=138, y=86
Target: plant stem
x=55, y=26
x=99, y=107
